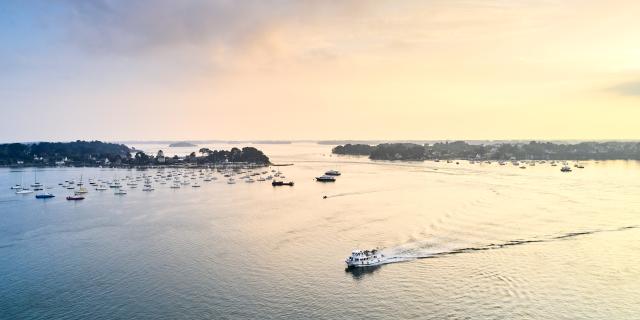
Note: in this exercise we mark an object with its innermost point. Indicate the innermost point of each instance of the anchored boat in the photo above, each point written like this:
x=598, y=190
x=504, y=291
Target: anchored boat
x=326, y=178
x=282, y=183
x=332, y=173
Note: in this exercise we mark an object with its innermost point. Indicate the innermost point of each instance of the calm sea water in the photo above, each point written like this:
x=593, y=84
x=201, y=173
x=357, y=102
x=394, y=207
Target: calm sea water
x=477, y=242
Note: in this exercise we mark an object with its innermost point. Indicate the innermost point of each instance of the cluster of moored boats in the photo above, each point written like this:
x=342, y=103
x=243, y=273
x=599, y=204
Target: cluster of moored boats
x=174, y=179
x=526, y=163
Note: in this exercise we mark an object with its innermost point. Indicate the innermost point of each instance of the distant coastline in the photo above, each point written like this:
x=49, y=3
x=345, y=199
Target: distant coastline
x=498, y=151
x=182, y=145
x=202, y=142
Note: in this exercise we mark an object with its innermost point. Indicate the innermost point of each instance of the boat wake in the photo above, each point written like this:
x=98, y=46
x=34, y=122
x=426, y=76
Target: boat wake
x=425, y=251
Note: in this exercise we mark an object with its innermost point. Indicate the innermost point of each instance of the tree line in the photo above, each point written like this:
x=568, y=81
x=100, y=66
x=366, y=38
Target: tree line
x=88, y=153
x=499, y=151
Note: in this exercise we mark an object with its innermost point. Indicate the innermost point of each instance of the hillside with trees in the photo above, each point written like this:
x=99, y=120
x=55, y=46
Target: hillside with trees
x=499, y=151
x=97, y=153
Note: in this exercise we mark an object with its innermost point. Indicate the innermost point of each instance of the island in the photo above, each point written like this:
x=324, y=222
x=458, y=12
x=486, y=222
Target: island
x=182, y=144
x=534, y=150
x=354, y=149
x=97, y=153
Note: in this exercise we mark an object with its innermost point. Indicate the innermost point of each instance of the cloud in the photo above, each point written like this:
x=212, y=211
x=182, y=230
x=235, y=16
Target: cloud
x=130, y=26
x=631, y=88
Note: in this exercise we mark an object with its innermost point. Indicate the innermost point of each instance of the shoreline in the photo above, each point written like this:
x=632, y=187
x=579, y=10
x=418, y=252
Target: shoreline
x=186, y=166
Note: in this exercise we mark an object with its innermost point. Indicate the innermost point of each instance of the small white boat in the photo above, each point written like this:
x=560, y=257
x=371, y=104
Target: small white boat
x=332, y=173
x=120, y=191
x=24, y=191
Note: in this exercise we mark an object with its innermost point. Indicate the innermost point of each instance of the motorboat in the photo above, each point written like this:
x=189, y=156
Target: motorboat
x=75, y=197
x=120, y=192
x=326, y=178
x=332, y=173
x=24, y=191
x=365, y=258
x=44, y=195
x=282, y=183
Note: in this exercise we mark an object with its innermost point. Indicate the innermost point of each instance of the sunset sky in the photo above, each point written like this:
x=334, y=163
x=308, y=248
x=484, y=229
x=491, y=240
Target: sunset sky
x=288, y=69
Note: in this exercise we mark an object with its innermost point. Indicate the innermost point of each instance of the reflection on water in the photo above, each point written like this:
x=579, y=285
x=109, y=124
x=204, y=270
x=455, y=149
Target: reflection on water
x=476, y=241
x=361, y=272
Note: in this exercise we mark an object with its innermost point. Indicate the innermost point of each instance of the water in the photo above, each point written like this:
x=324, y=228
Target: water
x=472, y=241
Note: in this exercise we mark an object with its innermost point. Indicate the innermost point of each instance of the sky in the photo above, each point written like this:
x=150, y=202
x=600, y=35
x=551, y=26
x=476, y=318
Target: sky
x=319, y=69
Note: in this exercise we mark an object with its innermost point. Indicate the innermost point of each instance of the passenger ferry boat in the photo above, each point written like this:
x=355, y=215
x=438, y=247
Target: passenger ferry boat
x=365, y=258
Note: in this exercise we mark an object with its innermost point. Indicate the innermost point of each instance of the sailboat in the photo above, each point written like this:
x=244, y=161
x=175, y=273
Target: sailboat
x=44, y=194
x=36, y=185
x=23, y=190
x=82, y=189
x=17, y=186
x=147, y=186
